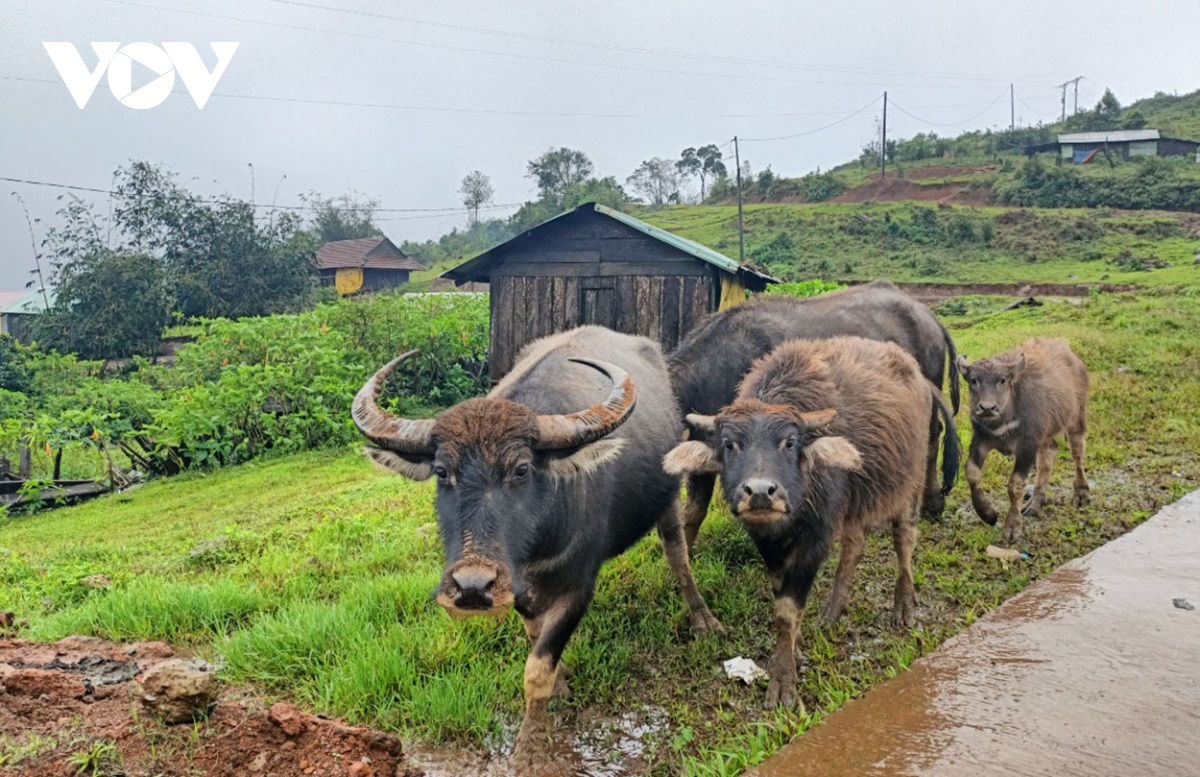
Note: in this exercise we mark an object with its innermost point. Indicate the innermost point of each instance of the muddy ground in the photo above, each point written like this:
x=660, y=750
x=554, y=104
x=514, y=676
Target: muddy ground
x=74, y=707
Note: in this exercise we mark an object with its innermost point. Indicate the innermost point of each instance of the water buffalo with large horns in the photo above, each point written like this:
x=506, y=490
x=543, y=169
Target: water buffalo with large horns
x=554, y=471
x=826, y=440
x=709, y=364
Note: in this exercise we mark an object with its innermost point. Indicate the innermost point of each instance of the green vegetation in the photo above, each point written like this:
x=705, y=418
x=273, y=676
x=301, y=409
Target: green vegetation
x=310, y=574
x=914, y=242
x=243, y=389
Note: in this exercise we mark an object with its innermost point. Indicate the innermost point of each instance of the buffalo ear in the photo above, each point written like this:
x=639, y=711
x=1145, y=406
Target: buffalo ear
x=1018, y=369
x=693, y=457
x=817, y=421
x=584, y=459
x=411, y=467
x=834, y=452
x=705, y=424
x=963, y=367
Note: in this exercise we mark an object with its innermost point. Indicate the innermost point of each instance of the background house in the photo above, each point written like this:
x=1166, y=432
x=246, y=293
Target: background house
x=1081, y=147
x=17, y=309
x=595, y=265
x=364, y=264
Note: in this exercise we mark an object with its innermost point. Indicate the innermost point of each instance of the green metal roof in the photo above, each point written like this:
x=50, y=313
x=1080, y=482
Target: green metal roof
x=31, y=304
x=472, y=268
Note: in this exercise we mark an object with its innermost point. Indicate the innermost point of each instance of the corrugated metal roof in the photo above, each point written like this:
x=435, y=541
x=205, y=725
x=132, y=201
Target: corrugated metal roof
x=29, y=303
x=702, y=252
x=1112, y=136
x=358, y=253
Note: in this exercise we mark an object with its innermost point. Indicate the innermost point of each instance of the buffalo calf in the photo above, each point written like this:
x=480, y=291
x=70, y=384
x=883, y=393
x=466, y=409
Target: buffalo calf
x=1021, y=401
x=554, y=471
x=826, y=440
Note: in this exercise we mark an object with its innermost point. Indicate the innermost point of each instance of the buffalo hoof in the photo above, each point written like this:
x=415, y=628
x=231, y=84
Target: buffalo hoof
x=904, y=612
x=531, y=753
x=932, y=507
x=1082, y=498
x=705, y=623
x=781, y=690
x=1033, y=509
x=1012, y=533
x=989, y=516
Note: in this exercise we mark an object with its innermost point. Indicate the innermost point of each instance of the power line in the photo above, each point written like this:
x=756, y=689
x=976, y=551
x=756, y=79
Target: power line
x=951, y=124
x=486, y=111
x=437, y=211
x=637, y=50
x=814, y=131
x=510, y=55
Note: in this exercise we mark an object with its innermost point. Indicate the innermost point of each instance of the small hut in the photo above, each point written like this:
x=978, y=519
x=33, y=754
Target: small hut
x=596, y=265
x=364, y=264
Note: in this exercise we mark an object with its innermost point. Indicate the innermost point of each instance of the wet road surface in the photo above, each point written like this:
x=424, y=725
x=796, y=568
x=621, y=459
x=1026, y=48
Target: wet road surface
x=1093, y=671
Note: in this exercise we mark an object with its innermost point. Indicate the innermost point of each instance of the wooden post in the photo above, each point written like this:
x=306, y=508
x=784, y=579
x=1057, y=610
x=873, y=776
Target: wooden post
x=25, y=466
x=883, y=146
x=737, y=158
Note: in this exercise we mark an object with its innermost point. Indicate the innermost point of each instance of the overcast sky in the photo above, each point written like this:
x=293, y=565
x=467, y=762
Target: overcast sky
x=489, y=85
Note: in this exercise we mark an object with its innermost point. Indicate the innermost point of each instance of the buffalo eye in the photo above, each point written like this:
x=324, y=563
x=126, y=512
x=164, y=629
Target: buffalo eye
x=1003, y=381
x=521, y=471
x=442, y=475
x=729, y=446
x=790, y=445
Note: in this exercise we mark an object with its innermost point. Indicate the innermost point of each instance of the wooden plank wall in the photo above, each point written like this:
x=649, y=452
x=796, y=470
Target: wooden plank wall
x=524, y=308
x=590, y=269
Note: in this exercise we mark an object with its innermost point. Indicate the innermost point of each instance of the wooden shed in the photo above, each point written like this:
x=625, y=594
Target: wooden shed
x=364, y=264
x=596, y=265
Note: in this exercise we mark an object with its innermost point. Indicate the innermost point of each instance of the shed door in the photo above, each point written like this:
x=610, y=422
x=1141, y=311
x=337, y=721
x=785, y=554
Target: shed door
x=596, y=302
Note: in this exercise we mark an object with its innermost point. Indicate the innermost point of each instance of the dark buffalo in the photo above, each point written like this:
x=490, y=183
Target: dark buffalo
x=826, y=440
x=712, y=360
x=1021, y=400
x=556, y=470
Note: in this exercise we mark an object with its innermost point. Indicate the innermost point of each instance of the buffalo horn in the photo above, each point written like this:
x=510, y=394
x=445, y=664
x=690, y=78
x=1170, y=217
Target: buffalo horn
x=556, y=432
x=385, y=429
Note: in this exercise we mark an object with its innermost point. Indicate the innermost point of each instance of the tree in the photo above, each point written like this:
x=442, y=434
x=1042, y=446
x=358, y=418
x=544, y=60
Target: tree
x=346, y=217
x=558, y=170
x=476, y=190
x=109, y=306
x=657, y=180
x=1108, y=111
x=702, y=162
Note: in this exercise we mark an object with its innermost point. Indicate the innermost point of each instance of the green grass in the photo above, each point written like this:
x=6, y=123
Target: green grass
x=855, y=242
x=311, y=575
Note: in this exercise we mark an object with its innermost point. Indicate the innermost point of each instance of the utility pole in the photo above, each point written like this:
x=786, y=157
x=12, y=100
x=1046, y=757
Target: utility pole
x=883, y=146
x=737, y=158
x=1012, y=109
x=1063, y=86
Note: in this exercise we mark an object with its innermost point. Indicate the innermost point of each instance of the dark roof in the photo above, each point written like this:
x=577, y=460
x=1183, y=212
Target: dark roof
x=364, y=252
x=476, y=269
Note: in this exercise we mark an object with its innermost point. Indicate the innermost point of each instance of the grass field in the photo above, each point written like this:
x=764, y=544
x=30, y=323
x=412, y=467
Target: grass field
x=311, y=575
x=925, y=242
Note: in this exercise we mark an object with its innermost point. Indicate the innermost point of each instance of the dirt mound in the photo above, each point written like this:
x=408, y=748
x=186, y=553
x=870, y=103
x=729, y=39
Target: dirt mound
x=899, y=189
x=76, y=703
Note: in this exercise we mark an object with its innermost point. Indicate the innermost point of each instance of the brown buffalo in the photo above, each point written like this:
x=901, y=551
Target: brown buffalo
x=556, y=470
x=826, y=440
x=1021, y=401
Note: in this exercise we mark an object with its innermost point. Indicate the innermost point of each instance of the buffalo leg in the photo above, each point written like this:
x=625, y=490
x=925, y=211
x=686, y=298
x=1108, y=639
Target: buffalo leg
x=1078, y=443
x=531, y=754
x=670, y=530
x=853, y=540
x=699, y=495
x=1045, y=465
x=975, y=459
x=533, y=630
x=791, y=594
x=904, y=537
x=933, y=502
x=1013, y=525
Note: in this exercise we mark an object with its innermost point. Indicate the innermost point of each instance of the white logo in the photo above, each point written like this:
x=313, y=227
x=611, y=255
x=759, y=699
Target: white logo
x=172, y=58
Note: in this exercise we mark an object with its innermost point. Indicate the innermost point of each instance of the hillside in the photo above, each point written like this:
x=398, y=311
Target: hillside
x=921, y=242
x=982, y=167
